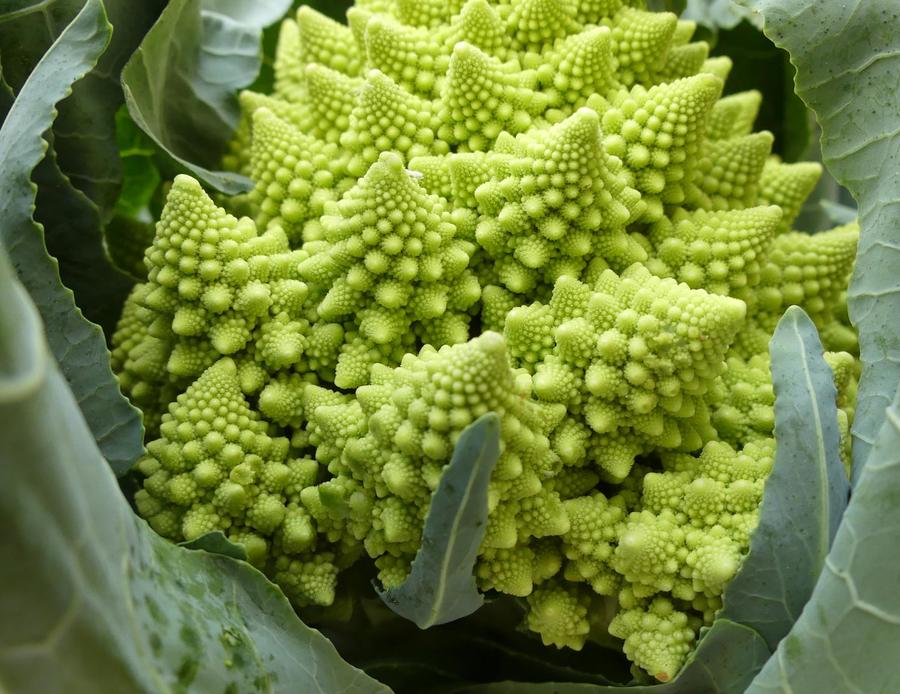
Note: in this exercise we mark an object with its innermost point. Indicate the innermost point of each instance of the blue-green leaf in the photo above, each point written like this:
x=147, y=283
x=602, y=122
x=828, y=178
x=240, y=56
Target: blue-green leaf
x=77, y=344
x=846, y=639
x=92, y=599
x=806, y=493
x=847, y=56
x=180, y=85
x=79, y=179
x=84, y=132
x=441, y=586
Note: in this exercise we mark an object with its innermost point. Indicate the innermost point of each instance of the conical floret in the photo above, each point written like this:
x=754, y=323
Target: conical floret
x=658, y=133
x=391, y=261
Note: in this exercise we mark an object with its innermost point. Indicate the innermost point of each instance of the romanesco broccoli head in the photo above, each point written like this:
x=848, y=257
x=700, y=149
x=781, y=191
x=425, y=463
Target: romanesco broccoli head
x=538, y=208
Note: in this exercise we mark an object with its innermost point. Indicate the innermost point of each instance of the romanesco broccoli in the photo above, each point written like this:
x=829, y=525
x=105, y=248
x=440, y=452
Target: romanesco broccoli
x=539, y=208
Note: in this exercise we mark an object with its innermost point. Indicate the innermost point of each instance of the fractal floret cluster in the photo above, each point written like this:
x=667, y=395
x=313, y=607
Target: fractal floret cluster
x=544, y=209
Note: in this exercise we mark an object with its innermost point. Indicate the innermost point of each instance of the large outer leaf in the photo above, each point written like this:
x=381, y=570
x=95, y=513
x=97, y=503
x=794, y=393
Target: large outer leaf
x=726, y=659
x=805, y=495
x=92, y=599
x=847, y=56
x=846, y=640
x=85, y=136
x=180, y=84
x=441, y=586
x=77, y=344
x=80, y=180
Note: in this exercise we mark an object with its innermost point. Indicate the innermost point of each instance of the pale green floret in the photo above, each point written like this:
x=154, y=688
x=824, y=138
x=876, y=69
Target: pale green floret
x=479, y=24
x=743, y=401
x=683, y=61
x=288, y=64
x=326, y=42
x=720, y=66
x=727, y=174
x=215, y=287
x=483, y=98
x=579, y=67
x=633, y=358
x=595, y=523
x=788, y=185
x=682, y=547
x=295, y=176
x=656, y=635
x=216, y=467
x=410, y=56
x=534, y=24
x=559, y=613
x=389, y=444
x=563, y=200
x=138, y=358
x=733, y=115
x=658, y=134
x=840, y=335
x=806, y=270
x=388, y=119
x=427, y=13
x=743, y=407
x=390, y=262
x=721, y=252
x=640, y=42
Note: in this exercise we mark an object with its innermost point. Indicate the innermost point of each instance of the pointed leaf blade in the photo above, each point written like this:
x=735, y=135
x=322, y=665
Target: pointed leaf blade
x=845, y=639
x=216, y=543
x=441, y=585
x=805, y=494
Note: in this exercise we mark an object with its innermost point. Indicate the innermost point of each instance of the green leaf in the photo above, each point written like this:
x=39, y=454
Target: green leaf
x=846, y=638
x=80, y=179
x=725, y=661
x=77, y=344
x=93, y=600
x=141, y=175
x=84, y=132
x=181, y=83
x=806, y=493
x=441, y=586
x=216, y=543
x=847, y=57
